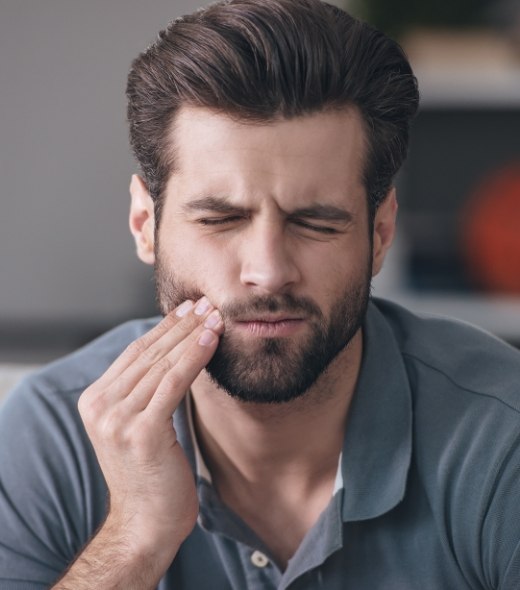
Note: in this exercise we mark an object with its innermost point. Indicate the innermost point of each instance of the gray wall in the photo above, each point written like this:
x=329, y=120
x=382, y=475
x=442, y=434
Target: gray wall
x=67, y=263
x=66, y=256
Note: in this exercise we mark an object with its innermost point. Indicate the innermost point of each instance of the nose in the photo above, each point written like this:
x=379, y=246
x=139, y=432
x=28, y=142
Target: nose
x=268, y=259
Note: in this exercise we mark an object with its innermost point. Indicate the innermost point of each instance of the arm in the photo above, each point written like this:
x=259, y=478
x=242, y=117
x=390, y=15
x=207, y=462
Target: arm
x=128, y=416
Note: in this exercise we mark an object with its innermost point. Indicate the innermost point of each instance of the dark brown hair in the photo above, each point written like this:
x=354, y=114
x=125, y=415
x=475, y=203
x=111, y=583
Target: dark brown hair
x=264, y=60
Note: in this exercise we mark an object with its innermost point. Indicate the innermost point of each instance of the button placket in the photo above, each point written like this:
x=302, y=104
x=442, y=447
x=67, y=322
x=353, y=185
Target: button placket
x=259, y=559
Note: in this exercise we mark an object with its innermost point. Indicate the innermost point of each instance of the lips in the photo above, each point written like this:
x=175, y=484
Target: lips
x=270, y=326
x=268, y=318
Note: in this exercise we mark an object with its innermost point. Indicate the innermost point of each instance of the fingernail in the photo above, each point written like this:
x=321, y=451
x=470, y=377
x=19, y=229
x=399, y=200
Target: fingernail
x=183, y=309
x=202, y=306
x=207, y=338
x=213, y=319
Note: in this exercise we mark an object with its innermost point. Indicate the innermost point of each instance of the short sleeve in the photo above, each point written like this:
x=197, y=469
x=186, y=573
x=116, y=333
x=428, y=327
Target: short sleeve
x=52, y=493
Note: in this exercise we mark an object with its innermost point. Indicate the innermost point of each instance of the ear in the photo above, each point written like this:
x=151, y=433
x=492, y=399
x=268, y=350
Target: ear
x=142, y=219
x=384, y=230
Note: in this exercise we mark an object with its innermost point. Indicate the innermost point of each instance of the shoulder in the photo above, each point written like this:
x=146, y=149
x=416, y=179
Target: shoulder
x=79, y=369
x=465, y=398
x=465, y=388
x=48, y=397
x=49, y=475
x=464, y=357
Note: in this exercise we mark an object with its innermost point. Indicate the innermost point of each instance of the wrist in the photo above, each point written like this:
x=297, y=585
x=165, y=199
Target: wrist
x=141, y=541
x=120, y=558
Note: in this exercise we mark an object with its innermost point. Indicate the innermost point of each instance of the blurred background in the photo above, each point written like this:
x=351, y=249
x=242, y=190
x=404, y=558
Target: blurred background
x=458, y=248
x=67, y=264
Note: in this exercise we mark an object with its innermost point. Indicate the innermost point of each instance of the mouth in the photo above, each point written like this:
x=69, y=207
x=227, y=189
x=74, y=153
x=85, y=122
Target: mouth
x=270, y=326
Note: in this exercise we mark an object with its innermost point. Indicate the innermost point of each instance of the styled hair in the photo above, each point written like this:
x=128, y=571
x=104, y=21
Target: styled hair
x=264, y=61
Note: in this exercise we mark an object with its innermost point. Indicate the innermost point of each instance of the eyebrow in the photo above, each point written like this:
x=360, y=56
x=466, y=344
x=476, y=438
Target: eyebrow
x=215, y=204
x=323, y=213
x=318, y=211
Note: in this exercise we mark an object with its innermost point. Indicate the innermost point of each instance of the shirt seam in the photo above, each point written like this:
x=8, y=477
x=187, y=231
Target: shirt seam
x=458, y=385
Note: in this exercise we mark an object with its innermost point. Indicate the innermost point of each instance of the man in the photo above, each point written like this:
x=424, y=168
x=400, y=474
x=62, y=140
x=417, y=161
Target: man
x=319, y=439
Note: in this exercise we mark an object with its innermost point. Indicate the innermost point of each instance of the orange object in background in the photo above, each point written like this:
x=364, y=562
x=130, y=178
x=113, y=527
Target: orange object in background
x=490, y=227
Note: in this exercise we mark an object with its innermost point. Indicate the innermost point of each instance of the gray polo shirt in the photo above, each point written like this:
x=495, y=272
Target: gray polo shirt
x=428, y=486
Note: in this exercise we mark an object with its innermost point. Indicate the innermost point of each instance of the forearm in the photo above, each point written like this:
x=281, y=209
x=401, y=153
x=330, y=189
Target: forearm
x=127, y=415
x=113, y=562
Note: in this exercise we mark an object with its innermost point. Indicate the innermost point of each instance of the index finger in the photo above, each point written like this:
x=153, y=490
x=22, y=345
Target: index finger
x=137, y=347
x=177, y=381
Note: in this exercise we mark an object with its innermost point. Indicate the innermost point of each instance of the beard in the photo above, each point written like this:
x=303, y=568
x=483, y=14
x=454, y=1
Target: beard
x=274, y=370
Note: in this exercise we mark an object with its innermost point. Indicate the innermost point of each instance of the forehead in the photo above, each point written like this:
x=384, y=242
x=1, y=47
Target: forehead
x=304, y=157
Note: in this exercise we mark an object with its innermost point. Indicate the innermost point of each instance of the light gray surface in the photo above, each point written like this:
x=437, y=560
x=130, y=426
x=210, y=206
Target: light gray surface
x=64, y=158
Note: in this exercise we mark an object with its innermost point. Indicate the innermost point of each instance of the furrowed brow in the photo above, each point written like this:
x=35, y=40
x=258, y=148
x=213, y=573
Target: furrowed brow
x=212, y=204
x=323, y=213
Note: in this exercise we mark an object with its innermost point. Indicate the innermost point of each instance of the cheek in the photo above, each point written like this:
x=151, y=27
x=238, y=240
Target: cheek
x=336, y=262
x=341, y=269
x=198, y=264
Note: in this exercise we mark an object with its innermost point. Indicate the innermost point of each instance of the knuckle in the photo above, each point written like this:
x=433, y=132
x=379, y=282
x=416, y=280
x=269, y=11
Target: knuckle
x=142, y=437
x=156, y=372
x=141, y=345
x=151, y=355
x=83, y=405
x=90, y=406
x=164, y=365
x=112, y=429
x=103, y=423
x=169, y=320
x=188, y=323
x=137, y=347
x=194, y=353
x=172, y=381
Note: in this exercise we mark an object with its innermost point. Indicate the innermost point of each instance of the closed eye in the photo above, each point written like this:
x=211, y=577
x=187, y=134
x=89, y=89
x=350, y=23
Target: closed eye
x=219, y=220
x=323, y=229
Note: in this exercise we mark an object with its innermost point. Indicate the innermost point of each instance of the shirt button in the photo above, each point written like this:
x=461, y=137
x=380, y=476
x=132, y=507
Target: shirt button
x=259, y=559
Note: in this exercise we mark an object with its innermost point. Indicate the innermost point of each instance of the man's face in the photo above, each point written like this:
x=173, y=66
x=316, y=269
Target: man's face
x=270, y=222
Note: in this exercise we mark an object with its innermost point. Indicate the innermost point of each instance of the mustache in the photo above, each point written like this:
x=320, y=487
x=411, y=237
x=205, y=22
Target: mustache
x=280, y=303
x=272, y=304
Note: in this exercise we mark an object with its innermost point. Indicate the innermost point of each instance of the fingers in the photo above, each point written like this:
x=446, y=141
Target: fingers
x=166, y=383
x=184, y=369
x=127, y=415
x=137, y=347
x=146, y=353
x=136, y=376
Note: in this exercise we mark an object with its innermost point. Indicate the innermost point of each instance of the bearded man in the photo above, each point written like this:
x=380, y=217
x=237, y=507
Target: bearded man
x=320, y=438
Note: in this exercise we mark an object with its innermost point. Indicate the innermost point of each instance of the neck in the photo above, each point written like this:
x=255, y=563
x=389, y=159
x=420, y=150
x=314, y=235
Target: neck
x=275, y=466
x=270, y=443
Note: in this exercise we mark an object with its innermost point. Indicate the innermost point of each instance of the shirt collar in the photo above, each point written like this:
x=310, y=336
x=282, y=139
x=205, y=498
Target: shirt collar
x=378, y=438
x=197, y=460
x=201, y=470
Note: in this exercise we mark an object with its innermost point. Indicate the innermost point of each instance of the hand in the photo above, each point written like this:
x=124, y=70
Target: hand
x=128, y=416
